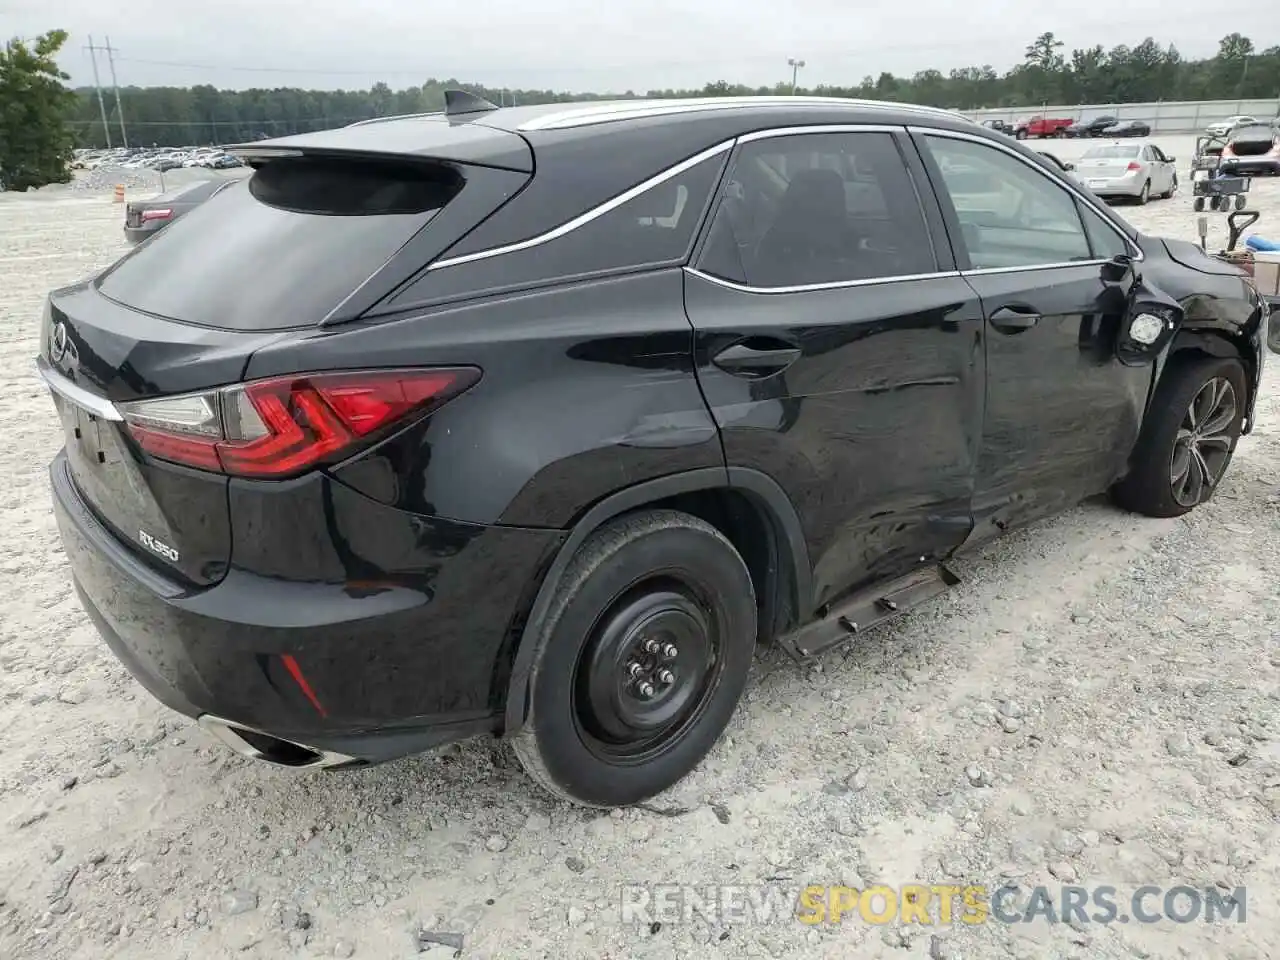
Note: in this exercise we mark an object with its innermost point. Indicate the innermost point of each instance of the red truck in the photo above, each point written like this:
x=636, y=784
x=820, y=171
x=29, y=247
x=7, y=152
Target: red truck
x=1042, y=127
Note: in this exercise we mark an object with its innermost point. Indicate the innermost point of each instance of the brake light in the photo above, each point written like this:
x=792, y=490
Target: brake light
x=1227, y=151
x=156, y=215
x=284, y=426
x=1134, y=166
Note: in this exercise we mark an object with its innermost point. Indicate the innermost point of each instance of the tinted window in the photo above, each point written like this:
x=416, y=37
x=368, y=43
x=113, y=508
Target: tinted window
x=652, y=229
x=1103, y=238
x=284, y=249
x=818, y=208
x=1011, y=214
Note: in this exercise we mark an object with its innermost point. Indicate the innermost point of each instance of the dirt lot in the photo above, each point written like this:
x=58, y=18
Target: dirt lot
x=1098, y=702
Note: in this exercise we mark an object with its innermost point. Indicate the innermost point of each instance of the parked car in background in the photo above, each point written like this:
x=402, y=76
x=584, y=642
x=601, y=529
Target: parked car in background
x=1222, y=128
x=142, y=218
x=999, y=126
x=1090, y=128
x=422, y=435
x=1040, y=127
x=1134, y=170
x=1252, y=149
x=1127, y=128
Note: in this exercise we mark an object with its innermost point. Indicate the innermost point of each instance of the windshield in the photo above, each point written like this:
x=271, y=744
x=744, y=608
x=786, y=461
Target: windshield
x=1119, y=151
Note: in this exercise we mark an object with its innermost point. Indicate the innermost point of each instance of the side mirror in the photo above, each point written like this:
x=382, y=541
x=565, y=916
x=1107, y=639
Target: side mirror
x=1152, y=322
x=1117, y=269
x=1068, y=166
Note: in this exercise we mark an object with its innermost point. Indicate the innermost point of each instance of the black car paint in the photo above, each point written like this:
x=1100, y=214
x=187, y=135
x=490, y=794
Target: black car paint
x=410, y=583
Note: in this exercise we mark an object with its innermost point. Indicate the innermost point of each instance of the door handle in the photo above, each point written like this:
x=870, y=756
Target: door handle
x=1014, y=319
x=757, y=357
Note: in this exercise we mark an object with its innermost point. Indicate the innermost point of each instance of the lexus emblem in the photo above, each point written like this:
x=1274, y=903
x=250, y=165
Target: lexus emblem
x=58, y=343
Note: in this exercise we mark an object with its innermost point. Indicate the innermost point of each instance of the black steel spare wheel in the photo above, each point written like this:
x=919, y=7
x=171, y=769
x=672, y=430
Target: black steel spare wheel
x=641, y=660
x=1188, y=436
x=647, y=672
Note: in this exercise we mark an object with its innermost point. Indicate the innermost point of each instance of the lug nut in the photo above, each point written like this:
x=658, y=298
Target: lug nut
x=646, y=689
x=669, y=651
x=666, y=677
x=634, y=670
x=651, y=646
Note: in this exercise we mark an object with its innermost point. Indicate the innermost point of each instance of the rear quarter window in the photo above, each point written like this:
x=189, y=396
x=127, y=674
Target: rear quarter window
x=285, y=247
x=653, y=229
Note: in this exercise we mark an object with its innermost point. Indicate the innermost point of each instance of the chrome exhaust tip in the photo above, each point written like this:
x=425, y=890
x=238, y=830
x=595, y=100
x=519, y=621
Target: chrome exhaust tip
x=259, y=745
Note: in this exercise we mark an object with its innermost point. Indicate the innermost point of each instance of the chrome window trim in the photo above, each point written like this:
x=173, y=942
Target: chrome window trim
x=1071, y=188
x=588, y=115
x=100, y=407
x=819, y=287
x=817, y=128
x=593, y=214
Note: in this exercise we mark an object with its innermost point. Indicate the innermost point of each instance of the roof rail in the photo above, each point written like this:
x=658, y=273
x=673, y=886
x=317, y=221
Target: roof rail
x=587, y=114
x=399, y=116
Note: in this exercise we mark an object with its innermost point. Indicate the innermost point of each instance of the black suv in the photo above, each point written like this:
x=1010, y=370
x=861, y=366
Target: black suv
x=534, y=421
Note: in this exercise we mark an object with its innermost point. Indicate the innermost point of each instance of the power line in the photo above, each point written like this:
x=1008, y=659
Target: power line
x=842, y=54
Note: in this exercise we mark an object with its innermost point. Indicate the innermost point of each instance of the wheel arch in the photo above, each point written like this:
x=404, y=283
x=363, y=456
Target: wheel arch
x=1193, y=340
x=742, y=503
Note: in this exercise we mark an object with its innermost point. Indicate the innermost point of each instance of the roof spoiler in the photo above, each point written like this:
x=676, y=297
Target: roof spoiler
x=459, y=103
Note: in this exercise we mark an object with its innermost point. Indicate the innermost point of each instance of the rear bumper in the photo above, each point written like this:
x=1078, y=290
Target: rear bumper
x=1248, y=165
x=363, y=671
x=1117, y=188
x=135, y=235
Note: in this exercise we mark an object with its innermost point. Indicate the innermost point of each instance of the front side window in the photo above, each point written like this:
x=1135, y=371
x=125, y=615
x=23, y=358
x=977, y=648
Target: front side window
x=1011, y=214
x=818, y=208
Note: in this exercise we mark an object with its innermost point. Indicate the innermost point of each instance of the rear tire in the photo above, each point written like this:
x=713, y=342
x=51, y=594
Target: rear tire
x=1188, y=437
x=643, y=657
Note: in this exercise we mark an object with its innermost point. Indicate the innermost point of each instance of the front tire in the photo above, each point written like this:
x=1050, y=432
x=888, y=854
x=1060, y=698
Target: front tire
x=641, y=662
x=1187, y=439
x=1145, y=195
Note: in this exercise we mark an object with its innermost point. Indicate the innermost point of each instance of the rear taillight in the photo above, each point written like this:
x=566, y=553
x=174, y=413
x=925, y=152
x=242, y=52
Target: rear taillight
x=156, y=215
x=1134, y=166
x=1227, y=151
x=284, y=426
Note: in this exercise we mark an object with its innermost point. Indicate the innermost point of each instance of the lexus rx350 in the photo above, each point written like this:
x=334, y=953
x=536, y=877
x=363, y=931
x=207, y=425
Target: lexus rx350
x=534, y=421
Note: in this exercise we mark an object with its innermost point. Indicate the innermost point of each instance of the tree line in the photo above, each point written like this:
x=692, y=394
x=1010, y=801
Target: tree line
x=177, y=116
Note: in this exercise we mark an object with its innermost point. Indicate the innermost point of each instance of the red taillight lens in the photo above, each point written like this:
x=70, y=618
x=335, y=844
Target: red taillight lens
x=156, y=215
x=1134, y=166
x=1227, y=151
x=284, y=426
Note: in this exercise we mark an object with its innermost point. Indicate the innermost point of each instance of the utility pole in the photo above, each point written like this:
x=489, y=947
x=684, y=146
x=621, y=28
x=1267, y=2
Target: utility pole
x=111, y=60
x=795, y=66
x=102, y=105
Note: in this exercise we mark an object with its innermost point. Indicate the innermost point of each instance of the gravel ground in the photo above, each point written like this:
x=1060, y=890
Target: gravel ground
x=1096, y=703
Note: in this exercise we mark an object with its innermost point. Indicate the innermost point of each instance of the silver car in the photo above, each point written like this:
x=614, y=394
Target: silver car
x=1221, y=128
x=1133, y=169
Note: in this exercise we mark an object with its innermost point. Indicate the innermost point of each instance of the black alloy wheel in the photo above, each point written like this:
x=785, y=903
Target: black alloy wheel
x=1188, y=437
x=1204, y=442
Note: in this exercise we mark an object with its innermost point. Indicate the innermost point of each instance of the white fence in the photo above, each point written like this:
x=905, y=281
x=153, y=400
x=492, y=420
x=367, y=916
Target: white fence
x=1164, y=116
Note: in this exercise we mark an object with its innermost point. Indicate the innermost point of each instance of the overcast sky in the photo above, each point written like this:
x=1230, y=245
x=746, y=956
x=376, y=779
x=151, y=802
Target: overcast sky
x=583, y=45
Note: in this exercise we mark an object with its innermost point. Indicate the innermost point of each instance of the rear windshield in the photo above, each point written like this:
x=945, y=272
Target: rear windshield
x=1258, y=131
x=284, y=248
x=1117, y=152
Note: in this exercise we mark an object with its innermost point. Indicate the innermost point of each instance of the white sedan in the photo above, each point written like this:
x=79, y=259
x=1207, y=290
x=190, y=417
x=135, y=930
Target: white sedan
x=1130, y=169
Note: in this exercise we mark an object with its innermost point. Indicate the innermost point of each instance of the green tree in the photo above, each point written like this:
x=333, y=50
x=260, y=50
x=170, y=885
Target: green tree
x=35, y=143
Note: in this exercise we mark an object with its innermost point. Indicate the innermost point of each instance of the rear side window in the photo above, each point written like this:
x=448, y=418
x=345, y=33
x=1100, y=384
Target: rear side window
x=654, y=228
x=284, y=249
x=819, y=208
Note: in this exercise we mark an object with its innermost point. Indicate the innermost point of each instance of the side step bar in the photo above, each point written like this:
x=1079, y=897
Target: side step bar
x=868, y=608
